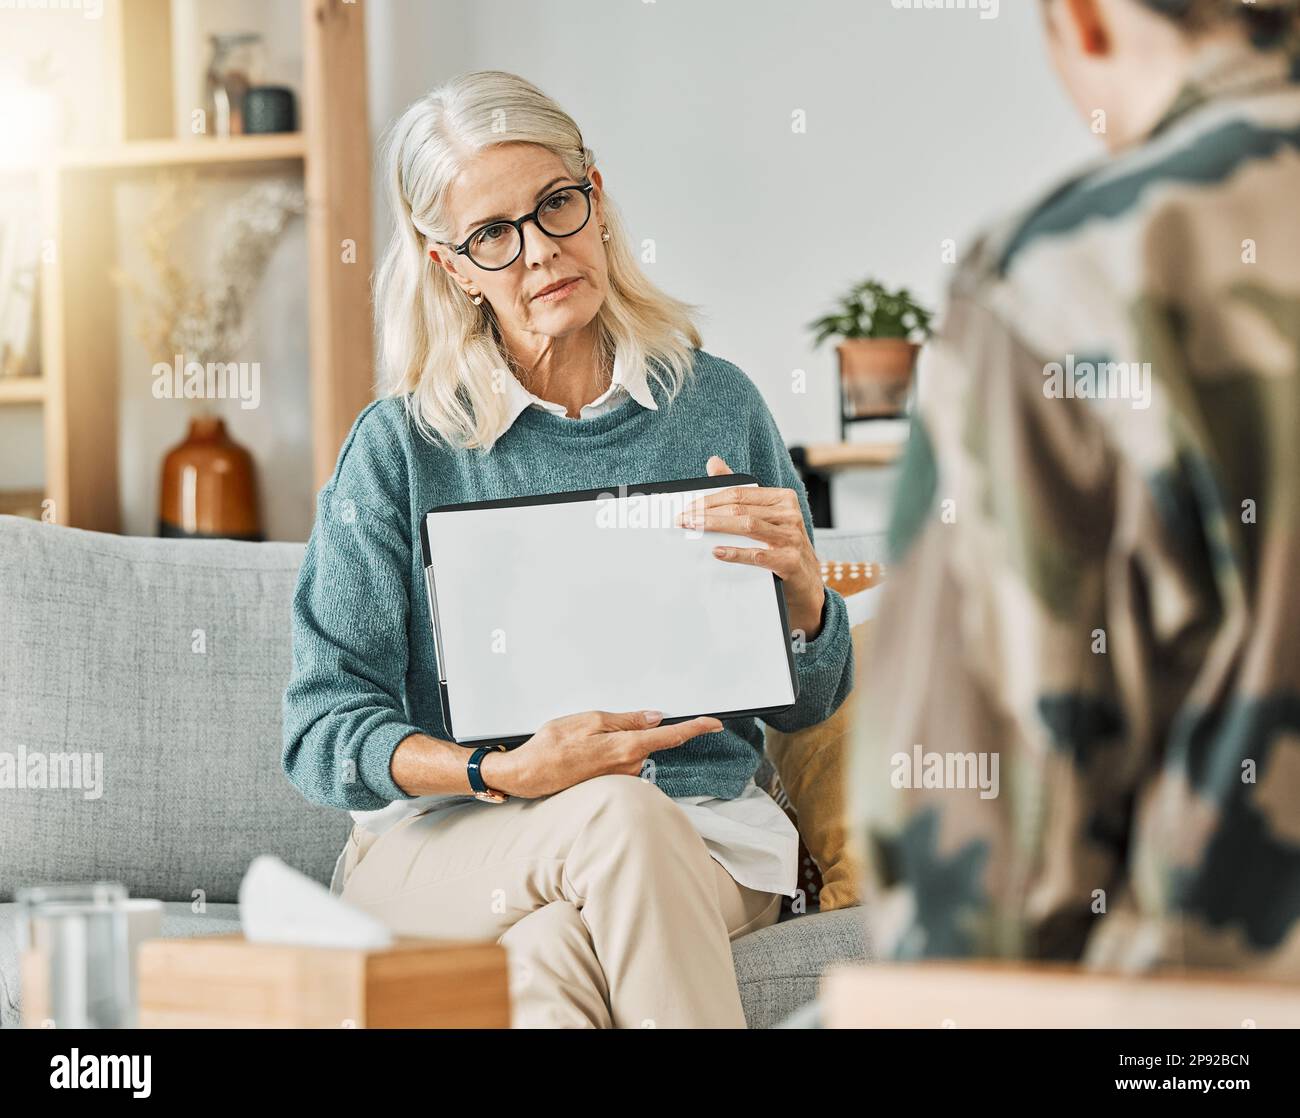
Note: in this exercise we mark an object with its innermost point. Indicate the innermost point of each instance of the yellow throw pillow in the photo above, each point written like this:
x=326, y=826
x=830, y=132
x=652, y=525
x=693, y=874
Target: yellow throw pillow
x=812, y=766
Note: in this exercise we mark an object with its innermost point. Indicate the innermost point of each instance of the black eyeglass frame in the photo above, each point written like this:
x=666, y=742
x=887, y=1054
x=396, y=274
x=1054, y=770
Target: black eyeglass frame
x=462, y=249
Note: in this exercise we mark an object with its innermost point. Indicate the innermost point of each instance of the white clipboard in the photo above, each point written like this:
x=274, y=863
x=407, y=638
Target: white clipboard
x=595, y=599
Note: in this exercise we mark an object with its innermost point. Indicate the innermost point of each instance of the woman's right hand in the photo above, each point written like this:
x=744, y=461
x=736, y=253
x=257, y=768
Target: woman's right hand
x=566, y=751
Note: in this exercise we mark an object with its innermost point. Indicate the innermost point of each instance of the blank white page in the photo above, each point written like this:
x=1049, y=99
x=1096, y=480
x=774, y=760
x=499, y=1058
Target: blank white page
x=551, y=609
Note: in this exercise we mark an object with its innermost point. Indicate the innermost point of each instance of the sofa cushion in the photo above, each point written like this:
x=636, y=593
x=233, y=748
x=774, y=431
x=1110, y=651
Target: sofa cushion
x=812, y=776
x=779, y=967
x=806, y=771
x=162, y=664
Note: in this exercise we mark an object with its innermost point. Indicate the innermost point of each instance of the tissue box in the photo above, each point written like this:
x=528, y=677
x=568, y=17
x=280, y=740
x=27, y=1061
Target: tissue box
x=226, y=982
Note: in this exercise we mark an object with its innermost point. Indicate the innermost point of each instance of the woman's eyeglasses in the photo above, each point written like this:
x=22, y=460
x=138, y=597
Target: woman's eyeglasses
x=498, y=245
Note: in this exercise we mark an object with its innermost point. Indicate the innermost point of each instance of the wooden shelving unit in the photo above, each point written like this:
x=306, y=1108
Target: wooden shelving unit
x=289, y=147
x=22, y=390
x=78, y=388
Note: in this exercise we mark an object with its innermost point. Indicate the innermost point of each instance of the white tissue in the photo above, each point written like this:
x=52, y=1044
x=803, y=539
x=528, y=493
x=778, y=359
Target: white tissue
x=277, y=904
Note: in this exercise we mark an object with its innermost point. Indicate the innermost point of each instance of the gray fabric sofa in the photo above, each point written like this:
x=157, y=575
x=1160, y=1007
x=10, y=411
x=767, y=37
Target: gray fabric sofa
x=161, y=663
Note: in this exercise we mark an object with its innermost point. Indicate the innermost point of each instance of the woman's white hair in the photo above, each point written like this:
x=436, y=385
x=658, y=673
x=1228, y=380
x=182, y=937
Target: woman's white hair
x=438, y=350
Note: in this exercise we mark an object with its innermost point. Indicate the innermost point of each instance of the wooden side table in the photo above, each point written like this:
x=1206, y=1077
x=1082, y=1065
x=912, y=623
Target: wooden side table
x=817, y=464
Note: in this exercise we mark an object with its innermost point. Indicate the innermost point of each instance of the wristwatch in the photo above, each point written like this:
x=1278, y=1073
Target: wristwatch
x=481, y=790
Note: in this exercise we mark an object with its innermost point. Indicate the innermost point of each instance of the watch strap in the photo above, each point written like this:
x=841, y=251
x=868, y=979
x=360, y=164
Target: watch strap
x=476, y=782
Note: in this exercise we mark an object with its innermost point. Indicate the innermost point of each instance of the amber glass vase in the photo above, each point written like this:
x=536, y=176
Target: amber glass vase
x=209, y=487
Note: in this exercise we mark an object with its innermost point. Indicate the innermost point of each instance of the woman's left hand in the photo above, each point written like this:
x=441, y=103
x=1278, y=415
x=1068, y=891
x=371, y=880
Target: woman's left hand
x=775, y=517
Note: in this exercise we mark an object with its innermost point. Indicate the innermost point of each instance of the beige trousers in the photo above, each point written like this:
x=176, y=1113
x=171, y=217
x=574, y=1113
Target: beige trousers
x=611, y=909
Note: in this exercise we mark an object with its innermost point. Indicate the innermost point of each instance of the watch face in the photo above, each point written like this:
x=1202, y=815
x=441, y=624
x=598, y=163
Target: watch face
x=491, y=797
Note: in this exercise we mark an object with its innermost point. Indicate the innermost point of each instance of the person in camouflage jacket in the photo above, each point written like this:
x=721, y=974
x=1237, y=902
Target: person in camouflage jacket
x=1079, y=731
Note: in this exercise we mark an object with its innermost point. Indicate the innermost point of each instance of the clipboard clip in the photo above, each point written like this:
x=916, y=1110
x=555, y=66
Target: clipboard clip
x=437, y=628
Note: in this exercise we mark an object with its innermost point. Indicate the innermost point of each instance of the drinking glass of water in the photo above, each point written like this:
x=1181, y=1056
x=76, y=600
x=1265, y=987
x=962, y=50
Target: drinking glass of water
x=76, y=964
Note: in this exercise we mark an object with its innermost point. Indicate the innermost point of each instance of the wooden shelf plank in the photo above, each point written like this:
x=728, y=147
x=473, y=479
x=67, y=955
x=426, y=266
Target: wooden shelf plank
x=337, y=183
x=287, y=146
x=22, y=390
x=79, y=327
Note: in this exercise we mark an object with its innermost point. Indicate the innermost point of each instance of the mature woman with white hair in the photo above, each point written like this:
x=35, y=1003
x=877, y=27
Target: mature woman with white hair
x=524, y=352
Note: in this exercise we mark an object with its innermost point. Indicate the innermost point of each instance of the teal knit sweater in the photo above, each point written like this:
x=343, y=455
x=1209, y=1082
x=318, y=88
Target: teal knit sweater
x=364, y=666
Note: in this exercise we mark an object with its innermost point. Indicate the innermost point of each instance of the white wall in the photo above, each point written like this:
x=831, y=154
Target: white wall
x=919, y=124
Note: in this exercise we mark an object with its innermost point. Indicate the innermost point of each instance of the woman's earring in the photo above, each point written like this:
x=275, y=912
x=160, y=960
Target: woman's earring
x=476, y=296
x=604, y=233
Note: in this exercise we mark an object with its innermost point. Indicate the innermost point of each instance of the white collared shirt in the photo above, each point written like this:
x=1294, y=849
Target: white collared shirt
x=751, y=836
x=622, y=384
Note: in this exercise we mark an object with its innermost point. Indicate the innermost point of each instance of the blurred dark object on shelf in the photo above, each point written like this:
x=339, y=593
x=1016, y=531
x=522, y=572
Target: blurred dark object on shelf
x=269, y=108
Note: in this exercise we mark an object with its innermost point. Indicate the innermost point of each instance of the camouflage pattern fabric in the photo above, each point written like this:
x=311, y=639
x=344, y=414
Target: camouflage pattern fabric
x=1079, y=733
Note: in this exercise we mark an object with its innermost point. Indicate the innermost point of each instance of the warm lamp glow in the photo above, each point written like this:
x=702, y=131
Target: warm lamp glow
x=29, y=123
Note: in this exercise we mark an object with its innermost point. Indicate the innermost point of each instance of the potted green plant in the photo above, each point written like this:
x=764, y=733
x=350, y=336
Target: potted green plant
x=881, y=332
